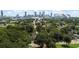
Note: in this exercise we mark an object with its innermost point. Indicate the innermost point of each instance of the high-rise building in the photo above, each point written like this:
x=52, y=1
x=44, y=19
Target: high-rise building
x=25, y=14
x=68, y=15
x=35, y=13
x=17, y=16
x=51, y=14
x=39, y=13
x=1, y=12
x=43, y=13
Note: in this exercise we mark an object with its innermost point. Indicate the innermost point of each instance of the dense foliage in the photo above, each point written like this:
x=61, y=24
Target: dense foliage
x=11, y=37
x=21, y=33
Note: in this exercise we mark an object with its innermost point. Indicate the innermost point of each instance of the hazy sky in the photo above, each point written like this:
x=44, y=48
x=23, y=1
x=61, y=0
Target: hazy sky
x=39, y=4
x=74, y=13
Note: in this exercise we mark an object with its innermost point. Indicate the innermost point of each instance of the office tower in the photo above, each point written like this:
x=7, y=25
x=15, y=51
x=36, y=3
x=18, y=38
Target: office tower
x=56, y=15
x=35, y=13
x=51, y=14
x=39, y=13
x=17, y=16
x=1, y=12
x=25, y=14
x=43, y=13
x=64, y=16
x=68, y=15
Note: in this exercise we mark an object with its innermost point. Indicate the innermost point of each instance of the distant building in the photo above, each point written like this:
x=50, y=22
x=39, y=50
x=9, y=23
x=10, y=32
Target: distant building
x=35, y=13
x=25, y=14
x=17, y=17
x=1, y=12
x=68, y=15
x=39, y=13
x=51, y=14
x=43, y=13
x=3, y=22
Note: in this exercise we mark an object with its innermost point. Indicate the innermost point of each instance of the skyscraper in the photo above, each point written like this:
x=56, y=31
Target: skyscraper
x=1, y=12
x=25, y=14
x=51, y=14
x=39, y=13
x=43, y=13
x=35, y=13
x=17, y=16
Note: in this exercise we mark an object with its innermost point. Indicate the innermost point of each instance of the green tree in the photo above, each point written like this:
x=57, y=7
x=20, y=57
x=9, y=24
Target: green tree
x=41, y=39
x=67, y=39
x=13, y=38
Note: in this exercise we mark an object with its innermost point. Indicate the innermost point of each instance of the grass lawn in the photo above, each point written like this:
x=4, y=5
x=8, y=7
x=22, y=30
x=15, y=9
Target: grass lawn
x=74, y=45
x=71, y=46
x=59, y=46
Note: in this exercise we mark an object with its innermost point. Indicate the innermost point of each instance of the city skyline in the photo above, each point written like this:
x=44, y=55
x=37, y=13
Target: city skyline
x=73, y=13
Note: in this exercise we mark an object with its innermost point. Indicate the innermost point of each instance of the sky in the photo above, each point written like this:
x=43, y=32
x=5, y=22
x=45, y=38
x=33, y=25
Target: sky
x=56, y=5
x=39, y=4
x=73, y=13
